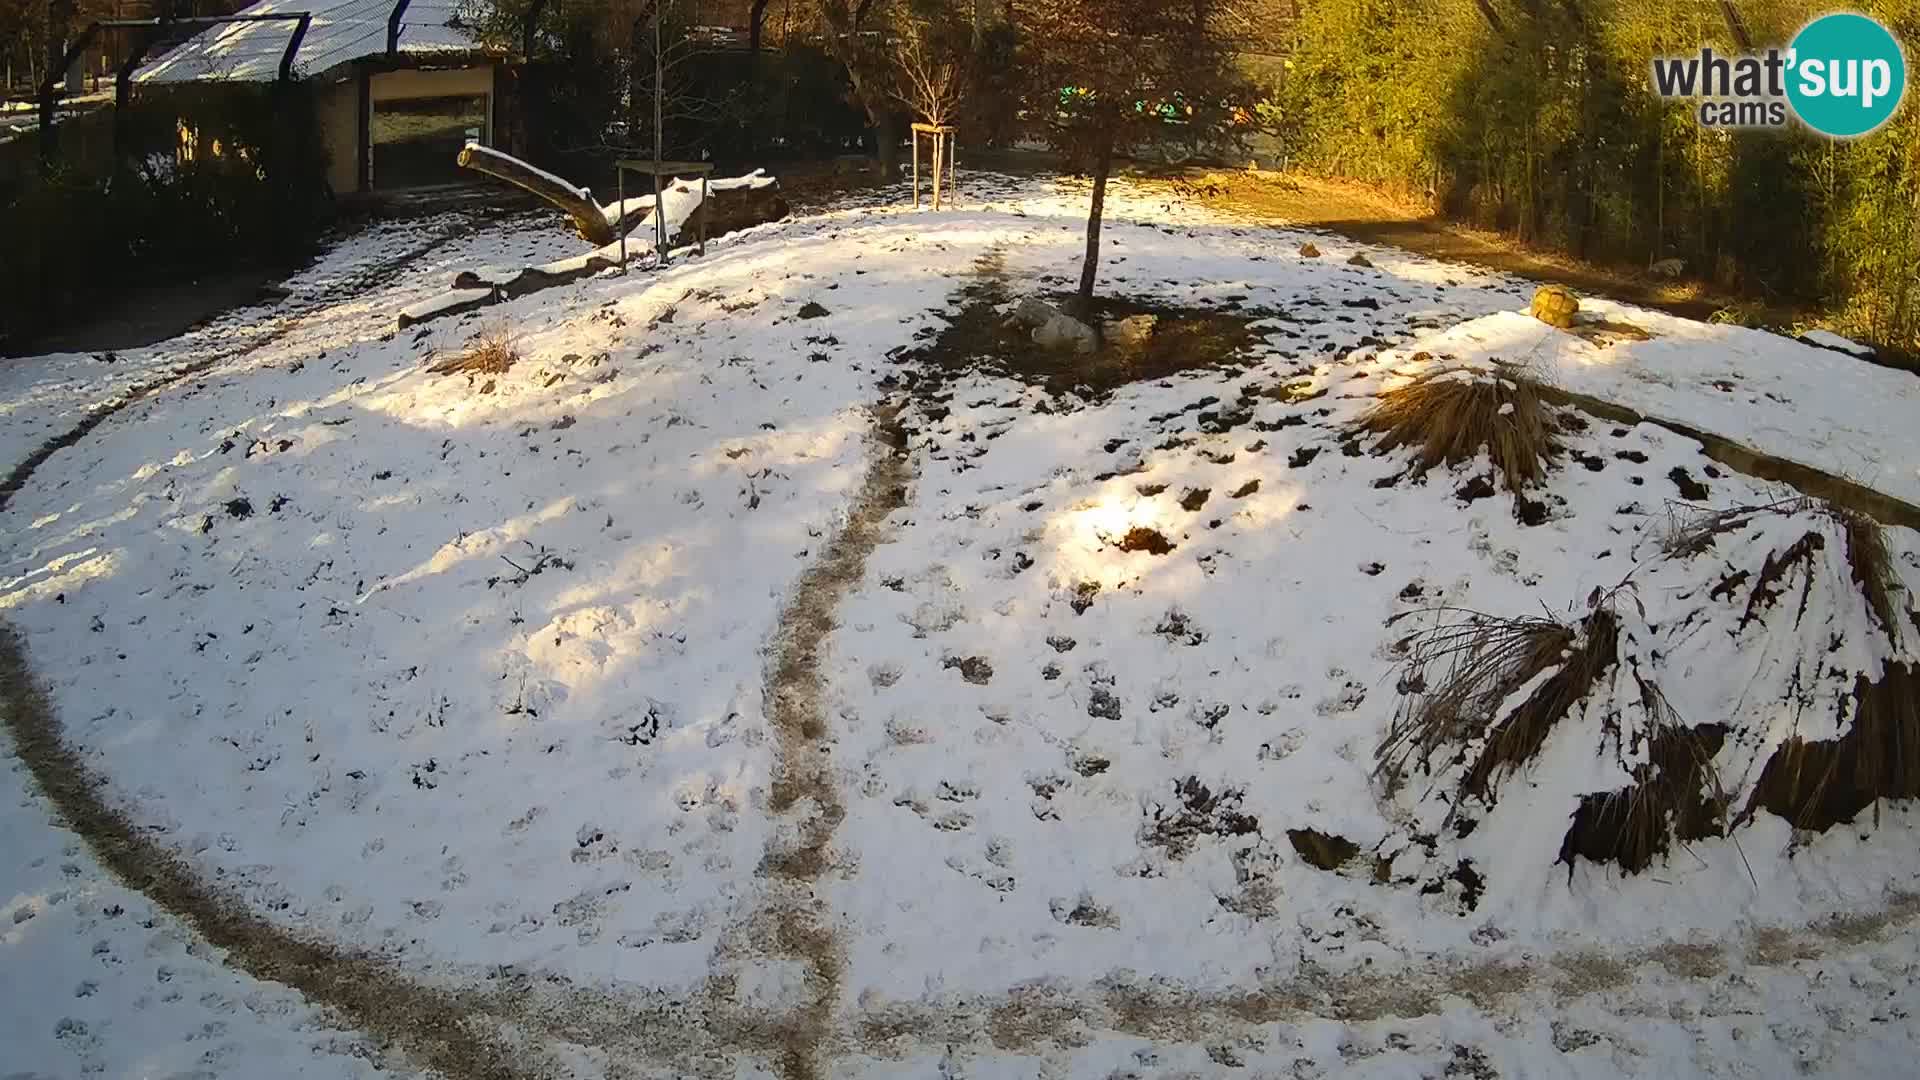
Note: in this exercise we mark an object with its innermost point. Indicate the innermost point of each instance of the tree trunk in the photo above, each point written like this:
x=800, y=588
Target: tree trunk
x=756, y=22
x=886, y=142
x=1090, y=269
x=588, y=220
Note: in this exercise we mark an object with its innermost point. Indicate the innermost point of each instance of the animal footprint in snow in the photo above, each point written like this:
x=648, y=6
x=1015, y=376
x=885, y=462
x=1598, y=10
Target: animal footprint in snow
x=1082, y=912
x=1283, y=745
x=591, y=843
x=1348, y=699
x=905, y=731
x=934, y=618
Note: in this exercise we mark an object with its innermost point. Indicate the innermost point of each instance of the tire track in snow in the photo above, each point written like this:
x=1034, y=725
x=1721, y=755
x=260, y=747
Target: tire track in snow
x=793, y=925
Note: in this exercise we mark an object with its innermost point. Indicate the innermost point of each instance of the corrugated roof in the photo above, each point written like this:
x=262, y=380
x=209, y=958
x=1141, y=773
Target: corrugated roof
x=341, y=30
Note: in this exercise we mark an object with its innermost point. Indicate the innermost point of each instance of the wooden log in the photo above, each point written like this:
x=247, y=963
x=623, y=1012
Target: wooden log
x=732, y=209
x=577, y=203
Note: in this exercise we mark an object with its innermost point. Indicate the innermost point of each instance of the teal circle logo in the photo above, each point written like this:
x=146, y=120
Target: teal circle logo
x=1846, y=75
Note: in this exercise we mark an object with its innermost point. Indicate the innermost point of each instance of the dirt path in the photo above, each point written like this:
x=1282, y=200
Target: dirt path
x=793, y=925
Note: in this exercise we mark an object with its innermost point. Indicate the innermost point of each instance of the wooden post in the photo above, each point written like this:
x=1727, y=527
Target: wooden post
x=659, y=225
x=706, y=208
x=941, y=137
x=939, y=144
x=620, y=193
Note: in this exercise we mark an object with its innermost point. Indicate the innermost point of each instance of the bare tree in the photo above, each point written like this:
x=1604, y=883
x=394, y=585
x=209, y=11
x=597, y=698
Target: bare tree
x=1106, y=76
x=932, y=71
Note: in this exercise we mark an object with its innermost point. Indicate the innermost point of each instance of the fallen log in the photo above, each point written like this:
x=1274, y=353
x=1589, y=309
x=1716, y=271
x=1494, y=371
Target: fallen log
x=589, y=220
x=733, y=204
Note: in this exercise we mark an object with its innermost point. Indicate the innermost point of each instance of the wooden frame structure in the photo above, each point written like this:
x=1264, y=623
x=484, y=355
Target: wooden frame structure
x=941, y=135
x=658, y=169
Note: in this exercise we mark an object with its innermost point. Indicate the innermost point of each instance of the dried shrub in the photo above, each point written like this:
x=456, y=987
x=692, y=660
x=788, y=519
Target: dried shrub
x=1518, y=738
x=1694, y=533
x=1816, y=785
x=1486, y=659
x=492, y=353
x=1871, y=564
x=1676, y=795
x=1449, y=416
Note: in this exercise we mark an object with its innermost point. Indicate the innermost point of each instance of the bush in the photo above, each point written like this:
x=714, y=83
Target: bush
x=1547, y=128
x=209, y=176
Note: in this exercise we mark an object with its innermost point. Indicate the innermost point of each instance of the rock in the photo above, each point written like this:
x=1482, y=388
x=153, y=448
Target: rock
x=1308, y=251
x=1360, y=260
x=1555, y=305
x=1668, y=268
x=1066, y=333
x=1032, y=312
x=1132, y=331
x=813, y=310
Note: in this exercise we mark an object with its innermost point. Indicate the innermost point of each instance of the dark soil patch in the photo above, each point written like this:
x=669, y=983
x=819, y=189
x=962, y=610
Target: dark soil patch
x=1195, y=498
x=1197, y=811
x=1150, y=490
x=1141, y=538
x=1246, y=489
x=974, y=669
x=1141, y=341
x=1480, y=487
x=1179, y=629
x=1323, y=851
x=1690, y=489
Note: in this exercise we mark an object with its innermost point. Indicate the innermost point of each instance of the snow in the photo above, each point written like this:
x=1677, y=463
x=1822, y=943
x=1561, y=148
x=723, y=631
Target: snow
x=97, y=980
x=432, y=306
x=470, y=671
x=1827, y=339
x=340, y=31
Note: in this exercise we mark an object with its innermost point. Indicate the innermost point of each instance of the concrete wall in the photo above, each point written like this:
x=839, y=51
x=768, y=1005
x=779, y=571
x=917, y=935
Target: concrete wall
x=335, y=106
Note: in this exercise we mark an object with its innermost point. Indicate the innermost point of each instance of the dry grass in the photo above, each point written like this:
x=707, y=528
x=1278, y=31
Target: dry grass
x=1692, y=531
x=1816, y=785
x=1872, y=565
x=492, y=353
x=1449, y=416
x=1486, y=659
x=1676, y=795
x=1516, y=739
x=1869, y=561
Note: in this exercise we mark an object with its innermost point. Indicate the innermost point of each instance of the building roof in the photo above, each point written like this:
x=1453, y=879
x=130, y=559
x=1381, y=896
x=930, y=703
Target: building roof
x=340, y=31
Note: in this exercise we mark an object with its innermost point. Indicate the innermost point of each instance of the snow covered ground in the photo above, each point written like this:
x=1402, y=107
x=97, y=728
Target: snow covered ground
x=470, y=672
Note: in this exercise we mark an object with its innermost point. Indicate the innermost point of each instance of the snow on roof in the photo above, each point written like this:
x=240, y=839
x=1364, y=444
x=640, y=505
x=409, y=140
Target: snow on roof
x=341, y=30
